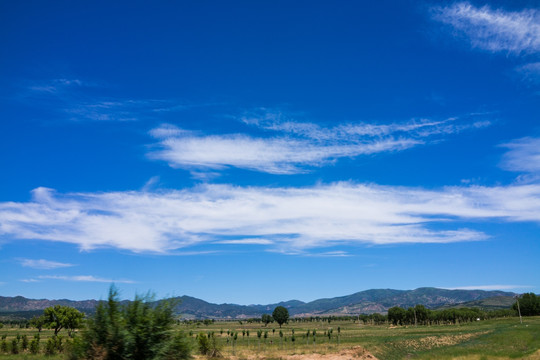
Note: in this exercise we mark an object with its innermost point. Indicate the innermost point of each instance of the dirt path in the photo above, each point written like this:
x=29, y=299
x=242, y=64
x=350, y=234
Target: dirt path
x=354, y=353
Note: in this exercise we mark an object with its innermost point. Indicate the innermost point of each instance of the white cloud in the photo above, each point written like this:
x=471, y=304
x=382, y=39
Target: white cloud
x=494, y=30
x=523, y=155
x=30, y=280
x=271, y=155
x=43, y=264
x=84, y=278
x=491, y=287
x=251, y=241
x=297, y=147
x=289, y=220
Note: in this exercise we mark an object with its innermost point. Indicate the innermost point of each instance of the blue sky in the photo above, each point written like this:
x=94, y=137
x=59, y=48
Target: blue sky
x=253, y=152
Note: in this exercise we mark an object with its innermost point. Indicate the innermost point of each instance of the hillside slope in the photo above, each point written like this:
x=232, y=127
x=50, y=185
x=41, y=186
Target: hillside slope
x=364, y=302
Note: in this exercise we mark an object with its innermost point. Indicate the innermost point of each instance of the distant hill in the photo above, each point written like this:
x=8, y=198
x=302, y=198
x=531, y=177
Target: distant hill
x=492, y=303
x=364, y=302
x=19, y=303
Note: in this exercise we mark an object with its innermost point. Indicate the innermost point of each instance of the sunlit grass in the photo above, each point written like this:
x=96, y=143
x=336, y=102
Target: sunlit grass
x=481, y=340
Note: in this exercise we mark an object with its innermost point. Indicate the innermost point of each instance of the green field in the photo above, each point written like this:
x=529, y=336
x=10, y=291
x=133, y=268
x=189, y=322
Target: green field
x=489, y=339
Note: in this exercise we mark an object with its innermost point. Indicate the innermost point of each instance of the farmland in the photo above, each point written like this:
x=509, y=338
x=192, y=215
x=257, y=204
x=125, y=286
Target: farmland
x=503, y=338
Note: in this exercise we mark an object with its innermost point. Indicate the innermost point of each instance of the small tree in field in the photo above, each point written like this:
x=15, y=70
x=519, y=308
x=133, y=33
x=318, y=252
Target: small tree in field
x=280, y=315
x=38, y=322
x=266, y=319
x=60, y=317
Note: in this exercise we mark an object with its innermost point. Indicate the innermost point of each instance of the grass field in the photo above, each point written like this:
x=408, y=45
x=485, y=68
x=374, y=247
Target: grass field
x=489, y=339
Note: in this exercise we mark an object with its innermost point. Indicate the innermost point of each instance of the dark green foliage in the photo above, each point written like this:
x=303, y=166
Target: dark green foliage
x=24, y=342
x=280, y=315
x=14, y=346
x=140, y=330
x=529, y=304
x=396, y=315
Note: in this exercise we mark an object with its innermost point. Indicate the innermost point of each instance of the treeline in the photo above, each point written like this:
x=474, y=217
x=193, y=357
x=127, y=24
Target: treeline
x=420, y=315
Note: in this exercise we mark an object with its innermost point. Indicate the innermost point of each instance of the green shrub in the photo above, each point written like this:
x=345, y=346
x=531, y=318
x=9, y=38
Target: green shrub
x=176, y=348
x=24, y=343
x=54, y=345
x=140, y=330
x=204, y=343
x=14, y=346
x=208, y=345
x=34, y=346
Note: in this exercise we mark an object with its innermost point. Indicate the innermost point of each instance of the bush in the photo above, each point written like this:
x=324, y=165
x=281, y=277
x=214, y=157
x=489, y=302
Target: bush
x=34, y=346
x=208, y=345
x=176, y=348
x=14, y=346
x=204, y=343
x=54, y=345
x=24, y=344
x=140, y=330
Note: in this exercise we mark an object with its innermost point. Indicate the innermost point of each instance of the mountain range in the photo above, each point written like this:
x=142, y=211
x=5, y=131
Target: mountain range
x=364, y=302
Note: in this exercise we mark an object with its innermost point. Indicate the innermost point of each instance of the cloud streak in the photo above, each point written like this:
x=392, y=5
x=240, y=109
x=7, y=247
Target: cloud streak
x=84, y=278
x=75, y=100
x=289, y=220
x=494, y=30
x=523, y=155
x=43, y=264
x=294, y=147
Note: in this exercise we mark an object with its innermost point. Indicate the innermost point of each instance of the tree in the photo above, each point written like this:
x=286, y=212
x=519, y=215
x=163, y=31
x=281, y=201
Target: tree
x=266, y=319
x=529, y=304
x=38, y=322
x=60, y=317
x=422, y=314
x=280, y=315
x=396, y=315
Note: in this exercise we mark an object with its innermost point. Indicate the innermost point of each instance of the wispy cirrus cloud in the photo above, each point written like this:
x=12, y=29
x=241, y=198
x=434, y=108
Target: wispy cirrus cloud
x=523, y=155
x=43, y=264
x=76, y=100
x=286, y=219
x=494, y=30
x=79, y=278
x=295, y=147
